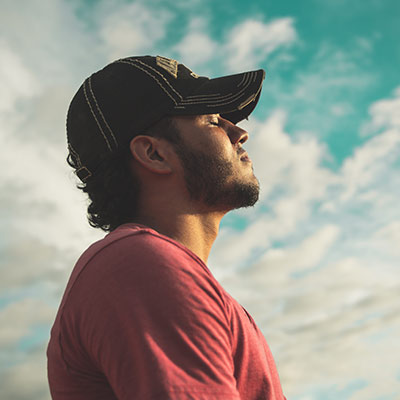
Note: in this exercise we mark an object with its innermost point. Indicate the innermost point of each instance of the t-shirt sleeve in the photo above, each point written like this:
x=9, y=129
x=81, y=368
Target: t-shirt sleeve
x=154, y=322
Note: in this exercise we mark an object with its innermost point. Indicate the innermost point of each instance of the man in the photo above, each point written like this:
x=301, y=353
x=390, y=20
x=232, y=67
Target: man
x=160, y=155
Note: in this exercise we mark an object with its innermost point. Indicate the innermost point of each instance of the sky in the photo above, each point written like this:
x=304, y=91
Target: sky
x=316, y=261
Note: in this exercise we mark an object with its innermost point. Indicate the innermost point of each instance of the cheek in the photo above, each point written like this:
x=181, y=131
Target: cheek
x=213, y=141
x=222, y=145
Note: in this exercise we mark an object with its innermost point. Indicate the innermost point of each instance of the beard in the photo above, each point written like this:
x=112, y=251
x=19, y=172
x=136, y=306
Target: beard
x=211, y=180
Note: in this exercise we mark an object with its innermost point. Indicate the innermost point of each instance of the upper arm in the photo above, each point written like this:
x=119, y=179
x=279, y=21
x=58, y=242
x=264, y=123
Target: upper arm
x=156, y=325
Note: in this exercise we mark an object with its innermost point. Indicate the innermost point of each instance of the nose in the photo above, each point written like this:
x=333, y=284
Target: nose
x=236, y=134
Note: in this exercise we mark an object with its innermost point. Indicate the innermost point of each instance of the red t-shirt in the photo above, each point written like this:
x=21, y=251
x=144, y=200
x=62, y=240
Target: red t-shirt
x=142, y=317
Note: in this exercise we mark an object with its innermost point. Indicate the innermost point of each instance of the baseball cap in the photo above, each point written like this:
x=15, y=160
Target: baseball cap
x=129, y=95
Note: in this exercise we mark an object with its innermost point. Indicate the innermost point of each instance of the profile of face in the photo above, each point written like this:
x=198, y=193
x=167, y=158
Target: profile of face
x=217, y=170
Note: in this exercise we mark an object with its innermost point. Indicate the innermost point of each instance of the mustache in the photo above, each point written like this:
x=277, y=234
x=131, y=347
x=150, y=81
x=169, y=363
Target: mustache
x=240, y=151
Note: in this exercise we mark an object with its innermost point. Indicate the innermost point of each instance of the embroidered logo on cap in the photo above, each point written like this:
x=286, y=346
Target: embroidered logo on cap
x=171, y=66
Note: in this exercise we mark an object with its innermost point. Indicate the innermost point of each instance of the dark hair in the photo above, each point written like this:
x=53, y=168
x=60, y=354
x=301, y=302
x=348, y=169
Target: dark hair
x=113, y=189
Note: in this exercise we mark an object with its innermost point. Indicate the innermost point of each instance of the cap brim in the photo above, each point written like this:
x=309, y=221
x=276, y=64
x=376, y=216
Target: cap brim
x=232, y=96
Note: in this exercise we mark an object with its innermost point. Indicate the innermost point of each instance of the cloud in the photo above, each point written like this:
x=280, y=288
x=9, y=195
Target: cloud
x=384, y=114
x=133, y=28
x=369, y=161
x=196, y=47
x=17, y=81
x=23, y=314
x=57, y=43
x=246, y=45
x=47, y=265
x=292, y=180
x=252, y=41
x=322, y=94
x=28, y=379
x=308, y=254
x=388, y=238
x=328, y=324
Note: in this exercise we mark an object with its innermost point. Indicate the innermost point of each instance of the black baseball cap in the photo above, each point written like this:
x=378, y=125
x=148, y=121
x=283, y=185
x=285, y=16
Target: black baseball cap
x=129, y=95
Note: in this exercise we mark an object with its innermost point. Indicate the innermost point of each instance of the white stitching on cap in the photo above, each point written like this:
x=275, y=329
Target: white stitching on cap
x=203, y=95
x=99, y=110
x=94, y=115
x=148, y=73
x=219, y=98
x=243, y=78
x=162, y=76
x=208, y=96
x=157, y=72
x=217, y=101
x=247, y=79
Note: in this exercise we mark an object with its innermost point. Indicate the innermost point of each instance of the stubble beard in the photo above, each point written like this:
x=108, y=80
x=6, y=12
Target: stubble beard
x=210, y=180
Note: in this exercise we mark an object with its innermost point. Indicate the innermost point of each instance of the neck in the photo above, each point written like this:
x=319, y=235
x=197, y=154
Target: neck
x=195, y=230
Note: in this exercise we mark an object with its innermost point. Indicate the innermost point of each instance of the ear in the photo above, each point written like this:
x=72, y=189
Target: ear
x=151, y=153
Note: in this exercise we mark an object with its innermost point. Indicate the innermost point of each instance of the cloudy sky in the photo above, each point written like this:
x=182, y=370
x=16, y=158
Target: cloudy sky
x=316, y=261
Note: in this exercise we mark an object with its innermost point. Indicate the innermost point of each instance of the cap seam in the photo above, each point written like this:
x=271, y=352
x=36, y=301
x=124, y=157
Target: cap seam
x=100, y=112
x=151, y=75
x=162, y=76
x=94, y=115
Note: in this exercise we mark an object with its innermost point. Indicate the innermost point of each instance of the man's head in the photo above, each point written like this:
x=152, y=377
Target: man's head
x=118, y=107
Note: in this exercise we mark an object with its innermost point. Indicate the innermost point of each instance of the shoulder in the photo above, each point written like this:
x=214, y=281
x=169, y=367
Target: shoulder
x=137, y=246
x=141, y=266
x=135, y=254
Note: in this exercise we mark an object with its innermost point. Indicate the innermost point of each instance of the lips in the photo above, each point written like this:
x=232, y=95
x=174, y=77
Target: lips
x=245, y=157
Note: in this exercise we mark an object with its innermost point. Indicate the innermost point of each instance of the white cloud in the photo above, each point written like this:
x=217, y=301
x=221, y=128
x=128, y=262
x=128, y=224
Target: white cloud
x=326, y=325
x=132, y=29
x=246, y=45
x=197, y=47
x=307, y=254
x=292, y=180
x=369, y=162
x=17, y=319
x=250, y=42
x=27, y=380
x=388, y=238
x=384, y=114
x=58, y=41
x=16, y=80
x=322, y=94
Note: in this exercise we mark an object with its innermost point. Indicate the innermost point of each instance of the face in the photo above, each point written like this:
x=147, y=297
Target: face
x=217, y=170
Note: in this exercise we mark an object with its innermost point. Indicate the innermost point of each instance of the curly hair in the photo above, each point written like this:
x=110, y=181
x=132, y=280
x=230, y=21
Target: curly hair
x=113, y=190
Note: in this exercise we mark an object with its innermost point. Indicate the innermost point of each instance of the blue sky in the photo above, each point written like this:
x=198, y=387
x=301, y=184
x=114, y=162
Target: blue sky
x=316, y=261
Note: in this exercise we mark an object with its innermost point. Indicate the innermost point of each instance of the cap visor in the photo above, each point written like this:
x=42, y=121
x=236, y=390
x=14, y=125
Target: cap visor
x=232, y=96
